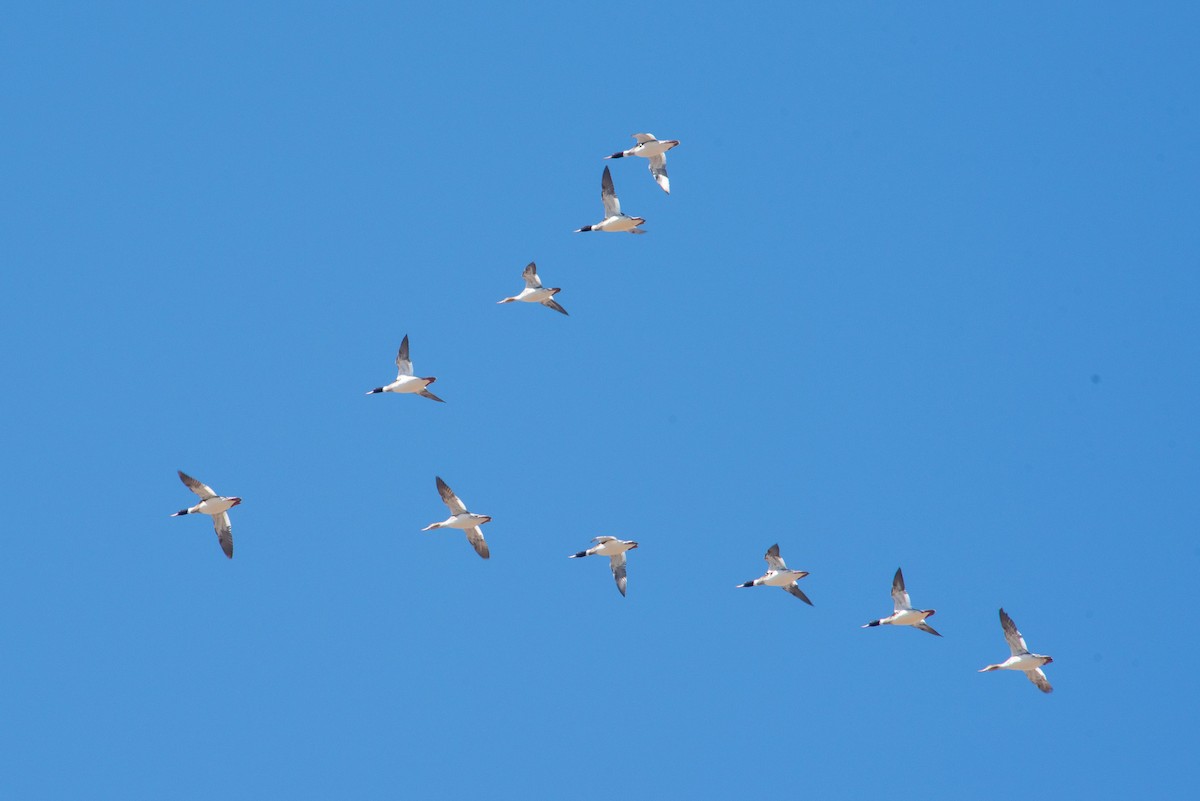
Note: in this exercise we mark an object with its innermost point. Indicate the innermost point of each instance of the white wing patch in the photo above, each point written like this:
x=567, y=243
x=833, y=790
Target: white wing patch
x=531, y=277
x=618, y=569
x=658, y=168
x=612, y=206
x=475, y=537
x=403, y=363
x=203, y=490
x=450, y=499
x=774, y=560
x=1016, y=643
x=900, y=600
x=1039, y=679
x=224, y=533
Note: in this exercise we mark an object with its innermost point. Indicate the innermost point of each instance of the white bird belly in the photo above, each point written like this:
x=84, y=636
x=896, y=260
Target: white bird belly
x=651, y=149
x=407, y=384
x=617, y=224
x=908, y=617
x=467, y=520
x=782, y=578
x=214, y=506
x=535, y=295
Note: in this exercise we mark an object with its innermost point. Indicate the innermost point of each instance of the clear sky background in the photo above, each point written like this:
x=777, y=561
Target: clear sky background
x=924, y=295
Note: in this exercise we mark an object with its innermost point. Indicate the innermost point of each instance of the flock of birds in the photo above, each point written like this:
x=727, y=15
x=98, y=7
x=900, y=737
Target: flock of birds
x=778, y=573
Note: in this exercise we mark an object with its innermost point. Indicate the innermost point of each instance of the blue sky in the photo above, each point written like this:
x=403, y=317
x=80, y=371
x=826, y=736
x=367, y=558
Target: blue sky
x=924, y=294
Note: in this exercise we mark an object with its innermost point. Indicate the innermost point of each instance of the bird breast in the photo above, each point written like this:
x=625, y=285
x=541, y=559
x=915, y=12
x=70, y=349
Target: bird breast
x=214, y=506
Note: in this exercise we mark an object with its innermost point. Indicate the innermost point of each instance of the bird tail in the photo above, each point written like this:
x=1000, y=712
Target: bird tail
x=373, y=391
x=872, y=623
x=990, y=667
x=747, y=584
x=577, y=555
x=581, y=230
x=616, y=155
x=180, y=513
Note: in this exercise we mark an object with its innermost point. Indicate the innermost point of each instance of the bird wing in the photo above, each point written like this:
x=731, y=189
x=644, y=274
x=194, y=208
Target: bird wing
x=612, y=206
x=603, y=538
x=451, y=500
x=203, y=490
x=658, y=168
x=618, y=568
x=643, y=138
x=774, y=560
x=403, y=363
x=899, y=594
x=792, y=589
x=531, y=277
x=551, y=303
x=1039, y=679
x=224, y=532
x=475, y=537
x=923, y=626
x=1016, y=642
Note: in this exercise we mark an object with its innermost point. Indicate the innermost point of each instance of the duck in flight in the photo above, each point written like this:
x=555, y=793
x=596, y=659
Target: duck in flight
x=460, y=518
x=778, y=575
x=656, y=151
x=534, y=292
x=215, y=506
x=615, y=550
x=405, y=381
x=1021, y=658
x=614, y=218
x=904, y=614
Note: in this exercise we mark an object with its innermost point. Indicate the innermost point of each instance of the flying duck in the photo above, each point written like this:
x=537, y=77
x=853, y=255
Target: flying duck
x=534, y=292
x=1021, y=658
x=654, y=149
x=615, y=550
x=778, y=575
x=405, y=380
x=214, y=505
x=613, y=220
x=904, y=614
x=460, y=518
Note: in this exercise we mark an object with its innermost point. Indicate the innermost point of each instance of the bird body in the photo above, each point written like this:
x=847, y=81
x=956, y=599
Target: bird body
x=215, y=506
x=406, y=382
x=534, y=292
x=1022, y=659
x=656, y=151
x=779, y=575
x=615, y=549
x=904, y=614
x=464, y=521
x=614, y=219
x=461, y=519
